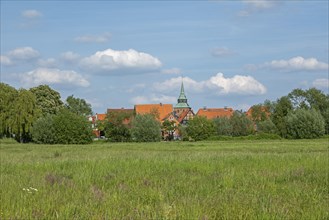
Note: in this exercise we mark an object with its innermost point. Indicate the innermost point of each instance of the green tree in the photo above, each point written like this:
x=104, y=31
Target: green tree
x=8, y=96
x=25, y=113
x=71, y=128
x=43, y=131
x=117, y=126
x=200, y=128
x=282, y=107
x=241, y=124
x=258, y=113
x=223, y=126
x=305, y=123
x=267, y=126
x=65, y=127
x=48, y=100
x=78, y=106
x=145, y=128
x=168, y=129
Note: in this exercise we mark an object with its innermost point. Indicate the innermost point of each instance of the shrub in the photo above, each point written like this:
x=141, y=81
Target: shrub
x=267, y=126
x=241, y=125
x=223, y=126
x=200, y=128
x=64, y=128
x=44, y=130
x=305, y=124
x=145, y=128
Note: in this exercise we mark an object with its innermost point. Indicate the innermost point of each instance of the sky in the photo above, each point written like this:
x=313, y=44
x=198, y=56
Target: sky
x=116, y=54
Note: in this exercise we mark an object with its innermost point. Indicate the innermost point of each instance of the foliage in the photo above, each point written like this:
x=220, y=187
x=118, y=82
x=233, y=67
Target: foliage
x=117, y=126
x=8, y=96
x=305, y=123
x=78, y=106
x=25, y=112
x=282, y=107
x=44, y=130
x=223, y=126
x=64, y=128
x=168, y=128
x=48, y=100
x=258, y=136
x=267, y=126
x=200, y=128
x=258, y=113
x=145, y=128
x=241, y=124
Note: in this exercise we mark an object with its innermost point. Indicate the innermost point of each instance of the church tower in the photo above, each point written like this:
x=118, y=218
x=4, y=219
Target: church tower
x=181, y=105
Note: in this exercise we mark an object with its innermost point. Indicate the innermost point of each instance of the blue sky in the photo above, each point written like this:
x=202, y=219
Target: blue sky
x=119, y=53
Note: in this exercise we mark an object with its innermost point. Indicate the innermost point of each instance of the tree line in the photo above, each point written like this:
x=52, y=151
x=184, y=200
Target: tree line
x=39, y=115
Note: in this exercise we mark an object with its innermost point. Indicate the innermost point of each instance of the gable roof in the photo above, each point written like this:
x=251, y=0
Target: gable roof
x=183, y=115
x=100, y=117
x=162, y=109
x=212, y=113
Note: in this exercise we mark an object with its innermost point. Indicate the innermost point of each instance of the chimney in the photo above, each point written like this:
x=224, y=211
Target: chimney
x=160, y=103
x=225, y=107
x=204, y=107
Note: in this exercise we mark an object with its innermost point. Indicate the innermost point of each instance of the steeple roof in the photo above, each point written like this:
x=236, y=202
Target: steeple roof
x=182, y=100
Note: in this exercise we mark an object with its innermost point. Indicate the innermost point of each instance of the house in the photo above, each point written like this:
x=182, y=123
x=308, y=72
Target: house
x=159, y=110
x=94, y=120
x=113, y=112
x=258, y=112
x=212, y=113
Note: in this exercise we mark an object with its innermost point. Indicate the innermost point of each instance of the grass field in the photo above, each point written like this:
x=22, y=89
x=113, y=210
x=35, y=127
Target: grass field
x=278, y=179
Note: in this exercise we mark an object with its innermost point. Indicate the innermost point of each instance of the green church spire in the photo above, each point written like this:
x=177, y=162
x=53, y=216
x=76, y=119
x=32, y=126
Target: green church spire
x=182, y=100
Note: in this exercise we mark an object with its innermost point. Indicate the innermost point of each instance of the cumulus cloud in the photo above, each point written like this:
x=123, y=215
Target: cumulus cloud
x=31, y=14
x=70, y=56
x=321, y=83
x=23, y=53
x=111, y=60
x=222, y=52
x=153, y=99
x=4, y=60
x=54, y=77
x=50, y=62
x=243, y=85
x=297, y=64
x=171, y=71
x=103, y=38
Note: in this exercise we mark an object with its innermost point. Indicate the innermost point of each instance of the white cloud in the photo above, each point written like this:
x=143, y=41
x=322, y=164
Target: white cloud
x=222, y=52
x=54, y=76
x=297, y=64
x=253, y=6
x=31, y=14
x=70, y=56
x=172, y=71
x=50, y=62
x=133, y=88
x=243, y=85
x=153, y=99
x=111, y=60
x=321, y=83
x=23, y=53
x=94, y=38
x=4, y=60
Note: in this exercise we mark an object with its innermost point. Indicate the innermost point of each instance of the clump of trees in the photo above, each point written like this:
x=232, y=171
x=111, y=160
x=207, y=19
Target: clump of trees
x=39, y=115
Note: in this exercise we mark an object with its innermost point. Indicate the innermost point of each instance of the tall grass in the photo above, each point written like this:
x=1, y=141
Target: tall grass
x=276, y=179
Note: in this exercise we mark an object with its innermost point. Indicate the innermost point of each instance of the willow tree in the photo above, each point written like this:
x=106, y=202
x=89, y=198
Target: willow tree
x=25, y=112
x=8, y=96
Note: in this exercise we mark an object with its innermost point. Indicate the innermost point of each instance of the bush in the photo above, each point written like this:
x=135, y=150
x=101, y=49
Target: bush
x=223, y=126
x=241, y=125
x=305, y=124
x=267, y=126
x=44, y=130
x=200, y=128
x=145, y=128
x=64, y=128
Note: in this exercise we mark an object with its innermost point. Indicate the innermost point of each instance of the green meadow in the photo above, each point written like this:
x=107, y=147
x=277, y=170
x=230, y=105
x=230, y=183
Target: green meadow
x=241, y=179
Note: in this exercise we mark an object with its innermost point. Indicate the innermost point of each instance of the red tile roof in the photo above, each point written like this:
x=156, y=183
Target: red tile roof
x=162, y=109
x=212, y=113
x=100, y=117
